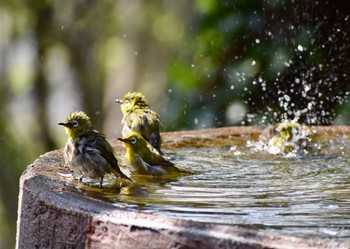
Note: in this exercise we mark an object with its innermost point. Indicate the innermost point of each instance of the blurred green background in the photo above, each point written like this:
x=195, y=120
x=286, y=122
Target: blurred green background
x=201, y=64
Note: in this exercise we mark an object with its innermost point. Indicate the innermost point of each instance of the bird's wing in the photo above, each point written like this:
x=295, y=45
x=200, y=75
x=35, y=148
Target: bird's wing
x=133, y=120
x=155, y=159
x=147, y=123
x=106, y=150
x=154, y=127
x=143, y=121
x=161, y=166
x=155, y=170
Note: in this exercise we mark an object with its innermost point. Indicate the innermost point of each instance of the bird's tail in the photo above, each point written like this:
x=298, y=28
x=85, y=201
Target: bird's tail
x=183, y=171
x=119, y=173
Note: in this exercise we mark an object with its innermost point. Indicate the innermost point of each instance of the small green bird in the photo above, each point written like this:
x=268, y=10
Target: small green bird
x=143, y=159
x=291, y=136
x=138, y=117
x=87, y=151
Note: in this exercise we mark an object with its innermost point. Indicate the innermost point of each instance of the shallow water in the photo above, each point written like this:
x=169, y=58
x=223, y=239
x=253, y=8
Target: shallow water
x=241, y=185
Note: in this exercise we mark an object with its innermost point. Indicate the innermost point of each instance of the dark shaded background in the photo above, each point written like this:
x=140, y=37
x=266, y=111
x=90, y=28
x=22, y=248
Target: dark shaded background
x=200, y=63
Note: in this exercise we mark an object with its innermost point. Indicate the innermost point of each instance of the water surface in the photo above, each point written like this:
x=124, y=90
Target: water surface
x=239, y=184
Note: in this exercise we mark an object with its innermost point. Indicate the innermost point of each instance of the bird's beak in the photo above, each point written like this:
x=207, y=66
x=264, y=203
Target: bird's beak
x=64, y=124
x=124, y=140
x=120, y=101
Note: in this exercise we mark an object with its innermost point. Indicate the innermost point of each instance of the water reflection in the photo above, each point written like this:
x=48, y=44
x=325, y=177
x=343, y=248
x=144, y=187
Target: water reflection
x=306, y=196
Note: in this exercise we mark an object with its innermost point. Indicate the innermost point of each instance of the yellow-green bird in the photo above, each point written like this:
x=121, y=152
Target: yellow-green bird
x=291, y=136
x=87, y=151
x=138, y=117
x=143, y=160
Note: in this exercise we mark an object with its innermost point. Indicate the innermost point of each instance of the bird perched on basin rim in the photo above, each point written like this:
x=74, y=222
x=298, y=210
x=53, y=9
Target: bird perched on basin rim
x=87, y=151
x=143, y=160
x=138, y=117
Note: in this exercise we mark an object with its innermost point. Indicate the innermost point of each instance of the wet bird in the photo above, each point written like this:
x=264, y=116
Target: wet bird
x=87, y=151
x=143, y=160
x=138, y=117
x=291, y=136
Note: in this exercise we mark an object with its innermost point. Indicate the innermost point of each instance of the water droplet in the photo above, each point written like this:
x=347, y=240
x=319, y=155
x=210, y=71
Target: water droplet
x=286, y=97
x=257, y=41
x=307, y=88
x=309, y=105
x=301, y=48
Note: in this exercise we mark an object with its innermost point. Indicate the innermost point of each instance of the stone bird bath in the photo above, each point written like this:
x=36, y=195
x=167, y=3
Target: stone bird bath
x=55, y=211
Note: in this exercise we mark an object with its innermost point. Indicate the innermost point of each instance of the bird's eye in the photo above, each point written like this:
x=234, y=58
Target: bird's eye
x=126, y=102
x=133, y=140
x=75, y=123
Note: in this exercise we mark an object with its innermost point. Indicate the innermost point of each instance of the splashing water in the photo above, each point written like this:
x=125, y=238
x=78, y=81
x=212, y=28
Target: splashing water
x=292, y=140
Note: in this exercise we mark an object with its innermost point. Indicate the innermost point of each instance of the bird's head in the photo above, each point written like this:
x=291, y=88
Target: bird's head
x=131, y=101
x=135, y=142
x=77, y=124
x=288, y=129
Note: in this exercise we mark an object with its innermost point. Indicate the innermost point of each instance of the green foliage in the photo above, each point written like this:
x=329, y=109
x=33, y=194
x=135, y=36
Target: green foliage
x=183, y=76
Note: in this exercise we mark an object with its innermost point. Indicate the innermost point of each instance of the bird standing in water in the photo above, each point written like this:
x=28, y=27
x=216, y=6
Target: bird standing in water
x=138, y=117
x=87, y=151
x=143, y=160
x=291, y=137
